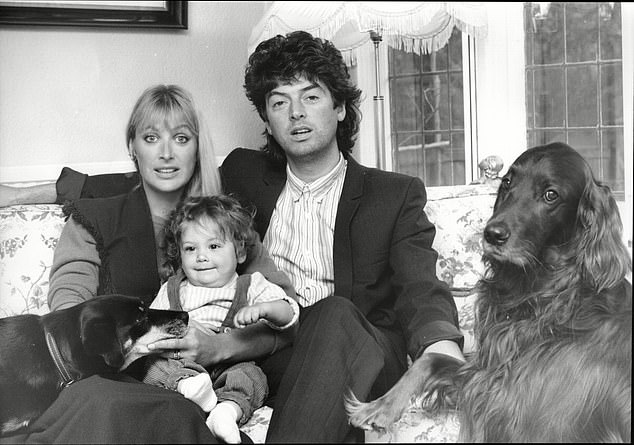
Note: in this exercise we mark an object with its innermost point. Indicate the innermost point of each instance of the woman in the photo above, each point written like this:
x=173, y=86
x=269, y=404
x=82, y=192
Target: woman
x=114, y=245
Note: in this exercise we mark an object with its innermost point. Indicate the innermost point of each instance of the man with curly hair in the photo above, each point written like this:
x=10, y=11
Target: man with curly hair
x=355, y=241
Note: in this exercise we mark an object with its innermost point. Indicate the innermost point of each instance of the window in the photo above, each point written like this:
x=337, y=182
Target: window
x=574, y=82
x=427, y=113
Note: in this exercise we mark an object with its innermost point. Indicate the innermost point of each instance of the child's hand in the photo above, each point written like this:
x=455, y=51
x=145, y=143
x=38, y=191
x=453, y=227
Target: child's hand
x=249, y=315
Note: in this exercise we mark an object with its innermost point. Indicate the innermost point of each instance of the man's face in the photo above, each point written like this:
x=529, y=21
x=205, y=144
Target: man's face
x=303, y=119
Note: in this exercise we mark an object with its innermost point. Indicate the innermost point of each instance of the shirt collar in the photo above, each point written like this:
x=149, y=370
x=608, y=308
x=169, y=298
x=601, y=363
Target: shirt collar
x=319, y=187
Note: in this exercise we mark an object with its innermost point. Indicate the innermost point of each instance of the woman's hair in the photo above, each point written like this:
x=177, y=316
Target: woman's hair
x=234, y=221
x=298, y=54
x=162, y=102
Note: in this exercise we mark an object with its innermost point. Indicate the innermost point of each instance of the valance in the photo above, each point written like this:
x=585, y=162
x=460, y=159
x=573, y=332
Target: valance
x=412, y=26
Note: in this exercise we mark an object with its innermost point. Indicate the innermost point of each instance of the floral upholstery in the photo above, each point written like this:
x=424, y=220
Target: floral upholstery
x=29, y=234
x=459, y=214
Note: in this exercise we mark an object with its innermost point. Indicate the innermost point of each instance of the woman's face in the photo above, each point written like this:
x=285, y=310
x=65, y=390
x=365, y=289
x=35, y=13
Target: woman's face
x=166, y=154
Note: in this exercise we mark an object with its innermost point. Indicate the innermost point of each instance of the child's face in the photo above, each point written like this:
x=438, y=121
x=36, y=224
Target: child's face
x=207, y=259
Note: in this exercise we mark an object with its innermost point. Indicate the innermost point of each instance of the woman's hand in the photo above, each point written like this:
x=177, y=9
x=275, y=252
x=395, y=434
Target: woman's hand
x=197, y=345
x=208, y=348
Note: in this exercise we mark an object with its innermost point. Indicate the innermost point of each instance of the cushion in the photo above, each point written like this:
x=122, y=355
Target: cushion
x=460, y=214
x=28, y=236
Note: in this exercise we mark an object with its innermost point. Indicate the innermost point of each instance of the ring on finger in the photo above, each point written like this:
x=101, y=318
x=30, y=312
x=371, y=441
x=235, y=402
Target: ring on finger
x=177, y=355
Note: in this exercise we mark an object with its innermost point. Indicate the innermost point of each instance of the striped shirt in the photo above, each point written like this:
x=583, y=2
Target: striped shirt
x=210, y=305
x=301, y=232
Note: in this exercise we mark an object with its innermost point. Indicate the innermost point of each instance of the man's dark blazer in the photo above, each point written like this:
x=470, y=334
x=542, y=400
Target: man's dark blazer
x=383, y=259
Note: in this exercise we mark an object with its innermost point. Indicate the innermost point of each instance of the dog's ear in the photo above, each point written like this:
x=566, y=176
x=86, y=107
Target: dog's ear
x=601, y=254
x=99, y=337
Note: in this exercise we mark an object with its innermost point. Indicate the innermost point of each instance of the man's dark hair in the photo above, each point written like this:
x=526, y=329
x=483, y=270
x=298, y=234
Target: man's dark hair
x=282, y=59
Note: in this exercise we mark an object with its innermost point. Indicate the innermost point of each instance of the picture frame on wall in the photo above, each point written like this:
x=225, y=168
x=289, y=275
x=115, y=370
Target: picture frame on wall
x=112, y=14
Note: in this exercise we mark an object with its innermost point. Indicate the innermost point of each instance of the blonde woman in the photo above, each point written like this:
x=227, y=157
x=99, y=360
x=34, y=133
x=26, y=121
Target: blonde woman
x=116, y=245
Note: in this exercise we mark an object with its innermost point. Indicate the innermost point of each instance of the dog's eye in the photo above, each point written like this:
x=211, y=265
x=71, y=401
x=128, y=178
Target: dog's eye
x=142, y=314
x=506, y=182
x=551, y=195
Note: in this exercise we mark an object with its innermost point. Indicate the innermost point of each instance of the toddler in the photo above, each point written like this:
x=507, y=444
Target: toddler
x=207, y=237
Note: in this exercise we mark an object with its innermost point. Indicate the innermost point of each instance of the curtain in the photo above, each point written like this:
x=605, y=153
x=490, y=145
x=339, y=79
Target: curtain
x=411, y=26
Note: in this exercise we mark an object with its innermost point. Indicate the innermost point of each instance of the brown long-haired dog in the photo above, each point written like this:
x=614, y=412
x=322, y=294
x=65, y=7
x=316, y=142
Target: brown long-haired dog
x=553, y=318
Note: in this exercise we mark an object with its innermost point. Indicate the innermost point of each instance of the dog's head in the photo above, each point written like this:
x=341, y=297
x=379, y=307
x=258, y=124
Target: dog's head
x=536, y=205
x=550, y=210
x=119, y=328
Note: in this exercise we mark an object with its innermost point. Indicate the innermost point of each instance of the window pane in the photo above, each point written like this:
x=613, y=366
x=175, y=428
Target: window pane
x=436, y=61
x=582, y=32
x=407, y=64
x=437, y=151
x=545, y=32
x=457, y=172
x=406, y=111
x=613, y=157
x=586, y=143
x=611, y=94
x=543, y=137
x=427, y=113
x=550, y=100
x=435, y=103
x=610, y=28
x=455, y=53
x=457, y=102
x=530, y=105
x=582, y=96
x=409, y=155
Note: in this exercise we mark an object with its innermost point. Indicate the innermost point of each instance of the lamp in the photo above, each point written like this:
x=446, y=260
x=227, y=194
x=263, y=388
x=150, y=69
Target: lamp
x=421, y=27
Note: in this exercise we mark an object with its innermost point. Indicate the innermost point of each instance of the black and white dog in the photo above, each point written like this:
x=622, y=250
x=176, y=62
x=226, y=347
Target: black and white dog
x=40, y=355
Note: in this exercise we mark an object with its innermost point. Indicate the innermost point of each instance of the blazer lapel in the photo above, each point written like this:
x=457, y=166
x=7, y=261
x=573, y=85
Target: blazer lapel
x=273, y=184
x=342, y=248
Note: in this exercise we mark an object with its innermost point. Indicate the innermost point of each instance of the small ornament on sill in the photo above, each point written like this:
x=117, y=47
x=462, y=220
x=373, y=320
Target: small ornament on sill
x=490, y=168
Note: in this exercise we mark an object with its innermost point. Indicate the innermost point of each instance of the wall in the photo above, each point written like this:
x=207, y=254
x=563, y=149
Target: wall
x=66, y=92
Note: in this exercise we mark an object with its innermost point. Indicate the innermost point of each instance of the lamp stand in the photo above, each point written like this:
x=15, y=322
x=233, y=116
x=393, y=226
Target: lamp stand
x=379, y=123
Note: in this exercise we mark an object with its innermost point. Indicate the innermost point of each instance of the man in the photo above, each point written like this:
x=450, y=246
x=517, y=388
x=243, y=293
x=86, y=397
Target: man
x=355, y=242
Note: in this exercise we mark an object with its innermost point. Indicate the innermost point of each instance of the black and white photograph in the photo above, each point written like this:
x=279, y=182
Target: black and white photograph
x=316, y=221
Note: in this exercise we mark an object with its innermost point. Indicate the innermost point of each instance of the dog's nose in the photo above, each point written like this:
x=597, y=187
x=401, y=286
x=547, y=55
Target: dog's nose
x=496, y=234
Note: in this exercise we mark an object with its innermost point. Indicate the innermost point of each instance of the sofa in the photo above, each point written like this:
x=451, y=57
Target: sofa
x=29, y=234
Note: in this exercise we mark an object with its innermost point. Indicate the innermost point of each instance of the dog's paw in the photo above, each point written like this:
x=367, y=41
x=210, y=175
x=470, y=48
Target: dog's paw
x=378, y=415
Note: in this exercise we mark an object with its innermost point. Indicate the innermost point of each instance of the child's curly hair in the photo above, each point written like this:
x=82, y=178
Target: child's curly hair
x=234, y=221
